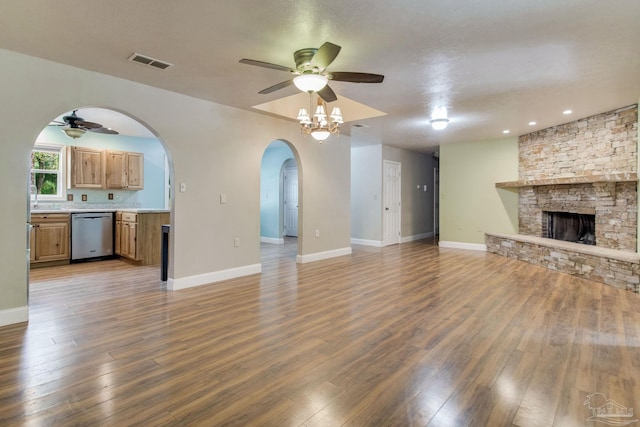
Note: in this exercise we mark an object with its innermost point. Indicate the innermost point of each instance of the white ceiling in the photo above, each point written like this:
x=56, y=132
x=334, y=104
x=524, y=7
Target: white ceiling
x=493, y=64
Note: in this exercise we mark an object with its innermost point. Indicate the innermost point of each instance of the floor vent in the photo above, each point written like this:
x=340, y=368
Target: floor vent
x=147, y=60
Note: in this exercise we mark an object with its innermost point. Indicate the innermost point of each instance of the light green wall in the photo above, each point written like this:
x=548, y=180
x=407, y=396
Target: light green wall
x=470, y=204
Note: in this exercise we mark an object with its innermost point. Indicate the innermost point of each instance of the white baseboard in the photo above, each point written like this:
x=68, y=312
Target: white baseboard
x=376, y=243
x=14, y=315
x=416, y=237
x=460, y=245
x=302, y=259
x=214, y=276
x=273, y=240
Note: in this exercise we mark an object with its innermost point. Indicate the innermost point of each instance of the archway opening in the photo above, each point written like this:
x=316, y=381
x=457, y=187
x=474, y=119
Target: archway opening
x=280, y=198
x=115, y=163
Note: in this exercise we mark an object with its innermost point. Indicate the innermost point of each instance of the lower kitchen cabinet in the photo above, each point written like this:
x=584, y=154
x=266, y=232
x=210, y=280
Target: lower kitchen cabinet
x=139, y=236
x=49, y=237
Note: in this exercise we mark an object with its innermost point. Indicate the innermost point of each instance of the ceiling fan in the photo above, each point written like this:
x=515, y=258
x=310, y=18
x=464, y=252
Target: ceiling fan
x=311, y=72
x=75, y=126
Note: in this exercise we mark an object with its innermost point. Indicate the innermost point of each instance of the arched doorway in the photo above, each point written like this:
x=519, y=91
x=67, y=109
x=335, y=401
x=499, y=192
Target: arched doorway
x=56, y=187
x=279, y=195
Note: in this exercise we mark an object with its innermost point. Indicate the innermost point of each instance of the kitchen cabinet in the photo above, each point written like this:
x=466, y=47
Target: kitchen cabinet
x=49, y=237
x=139, y=236
x=124, y=170
x=86, y=168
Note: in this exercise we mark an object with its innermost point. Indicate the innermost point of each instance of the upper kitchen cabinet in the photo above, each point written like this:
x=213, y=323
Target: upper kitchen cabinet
x=86, y=167
x=125, y=170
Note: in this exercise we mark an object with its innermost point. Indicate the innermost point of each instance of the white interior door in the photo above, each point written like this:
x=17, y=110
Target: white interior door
x=290, y=184
x=391, y=186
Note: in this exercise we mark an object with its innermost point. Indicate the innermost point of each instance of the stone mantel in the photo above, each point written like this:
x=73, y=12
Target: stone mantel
x=585, y=179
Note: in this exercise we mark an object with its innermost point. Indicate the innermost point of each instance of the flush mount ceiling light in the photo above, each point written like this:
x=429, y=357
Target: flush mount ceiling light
x=73, y=132
x=320, y=127
x=439, y=124
x=310, y=82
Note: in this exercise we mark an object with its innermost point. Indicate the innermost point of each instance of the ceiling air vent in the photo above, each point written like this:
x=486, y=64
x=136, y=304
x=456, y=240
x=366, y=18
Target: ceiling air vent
x=147, y=60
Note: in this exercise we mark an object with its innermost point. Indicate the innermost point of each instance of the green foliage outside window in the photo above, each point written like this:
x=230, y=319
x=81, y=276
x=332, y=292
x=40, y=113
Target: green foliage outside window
x=45, y=169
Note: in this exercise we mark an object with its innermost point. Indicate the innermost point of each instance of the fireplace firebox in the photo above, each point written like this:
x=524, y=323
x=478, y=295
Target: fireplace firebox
x=571, y=227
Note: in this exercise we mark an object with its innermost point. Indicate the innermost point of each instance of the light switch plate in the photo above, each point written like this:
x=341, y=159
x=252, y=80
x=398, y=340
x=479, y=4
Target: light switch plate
x=223, y=199
x=183, y=187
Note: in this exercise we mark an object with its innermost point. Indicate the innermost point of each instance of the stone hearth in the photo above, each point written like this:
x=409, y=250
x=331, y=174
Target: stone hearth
x=584, y=167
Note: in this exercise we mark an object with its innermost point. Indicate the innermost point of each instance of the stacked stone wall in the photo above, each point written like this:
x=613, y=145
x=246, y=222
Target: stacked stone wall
x=601, y=144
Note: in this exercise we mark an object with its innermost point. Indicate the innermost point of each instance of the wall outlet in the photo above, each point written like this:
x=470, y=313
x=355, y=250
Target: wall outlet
x=317, y=233
x=84, y=197
x=236, y=242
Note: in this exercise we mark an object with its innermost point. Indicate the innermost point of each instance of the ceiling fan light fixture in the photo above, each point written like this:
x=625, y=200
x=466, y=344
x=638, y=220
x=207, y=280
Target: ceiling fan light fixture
x=439, y=124
x=310, y=82
x=320, y=134
x=73, y=132
x=319, y=126
x=303, y=116
x=336, y=115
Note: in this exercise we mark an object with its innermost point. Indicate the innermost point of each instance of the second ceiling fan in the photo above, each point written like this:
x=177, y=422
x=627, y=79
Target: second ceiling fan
x=311, y=68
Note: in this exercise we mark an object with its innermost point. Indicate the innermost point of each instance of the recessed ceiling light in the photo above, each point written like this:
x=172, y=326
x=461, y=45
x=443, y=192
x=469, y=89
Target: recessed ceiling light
x=506, y=131
x=567, y=112
x=532, y=123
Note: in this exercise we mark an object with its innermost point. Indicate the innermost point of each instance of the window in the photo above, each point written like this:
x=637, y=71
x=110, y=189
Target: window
x=47, y=171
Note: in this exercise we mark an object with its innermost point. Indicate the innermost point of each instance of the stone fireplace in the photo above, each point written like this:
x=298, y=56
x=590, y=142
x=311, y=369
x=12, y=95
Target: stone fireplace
x=581, y=175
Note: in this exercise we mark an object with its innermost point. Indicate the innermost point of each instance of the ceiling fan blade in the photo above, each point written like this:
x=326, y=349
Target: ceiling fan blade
x=88, y=125
x=327, y=94
x=345, y=76
x=106, y=131
x=325, y=55
x=276, y=87
x=266, y=65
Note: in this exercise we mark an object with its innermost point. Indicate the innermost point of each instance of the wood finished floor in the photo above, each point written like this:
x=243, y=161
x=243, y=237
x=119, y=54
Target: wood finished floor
x=408, y=335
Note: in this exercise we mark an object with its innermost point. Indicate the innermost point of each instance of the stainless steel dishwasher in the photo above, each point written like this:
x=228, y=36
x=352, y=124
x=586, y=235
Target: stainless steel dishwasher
x=91, y=235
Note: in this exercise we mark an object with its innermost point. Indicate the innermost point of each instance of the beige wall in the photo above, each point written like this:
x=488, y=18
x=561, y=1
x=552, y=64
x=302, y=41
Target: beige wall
x=470, y=205
x=213, y=149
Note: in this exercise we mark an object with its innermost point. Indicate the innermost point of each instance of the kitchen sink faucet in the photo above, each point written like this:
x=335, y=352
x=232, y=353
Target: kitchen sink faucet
x=35, y=194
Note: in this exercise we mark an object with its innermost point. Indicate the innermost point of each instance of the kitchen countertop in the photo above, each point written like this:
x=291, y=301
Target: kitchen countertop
x=134, y=210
